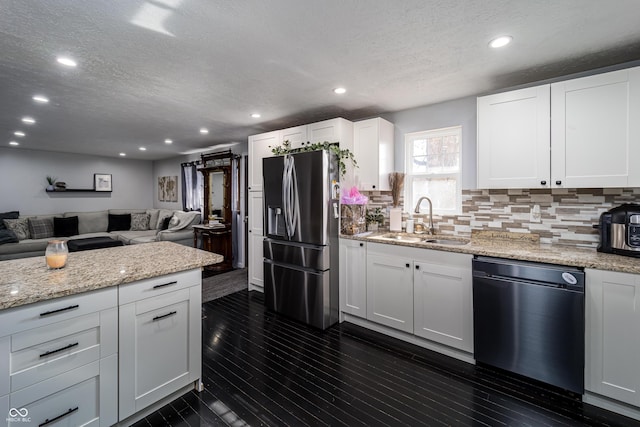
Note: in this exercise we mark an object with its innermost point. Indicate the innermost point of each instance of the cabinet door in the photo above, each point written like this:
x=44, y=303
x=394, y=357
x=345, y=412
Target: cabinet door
x=160, y=348
x=353, y=277
x=373, y=150
x=256, y=233
x=297, y=136
x=613, y=335
x=390, y=291
x=259, y=148
x=514, y=139
x=591, y=133
x=442, y=301
x=334, y=130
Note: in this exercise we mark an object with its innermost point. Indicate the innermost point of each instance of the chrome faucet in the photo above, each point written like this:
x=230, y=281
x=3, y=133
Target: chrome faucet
x=431, y=229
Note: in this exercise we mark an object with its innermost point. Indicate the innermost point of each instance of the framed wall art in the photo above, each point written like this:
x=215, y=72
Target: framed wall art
x=102, y=182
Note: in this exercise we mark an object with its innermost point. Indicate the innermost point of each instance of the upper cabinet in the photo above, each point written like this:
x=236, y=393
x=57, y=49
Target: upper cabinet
x=576, y=133
x=513, y=139
x=334, y=130
x=297, y=136
x=373, y=150
x=259, y=148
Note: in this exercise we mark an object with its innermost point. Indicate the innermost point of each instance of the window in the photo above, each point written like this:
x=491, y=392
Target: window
x=432, y=166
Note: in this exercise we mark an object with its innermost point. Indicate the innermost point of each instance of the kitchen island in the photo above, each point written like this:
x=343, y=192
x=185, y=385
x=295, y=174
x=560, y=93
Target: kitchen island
x=105, y=340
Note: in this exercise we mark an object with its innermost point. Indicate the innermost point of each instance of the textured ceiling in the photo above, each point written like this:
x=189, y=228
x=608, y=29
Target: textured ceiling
x=164, y=68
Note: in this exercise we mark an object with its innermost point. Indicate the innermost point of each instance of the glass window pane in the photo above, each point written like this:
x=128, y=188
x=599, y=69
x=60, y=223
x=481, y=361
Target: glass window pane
x=442, y=192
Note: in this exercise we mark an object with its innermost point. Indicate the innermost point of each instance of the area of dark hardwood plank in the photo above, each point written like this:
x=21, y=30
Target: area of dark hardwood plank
x=263, y=369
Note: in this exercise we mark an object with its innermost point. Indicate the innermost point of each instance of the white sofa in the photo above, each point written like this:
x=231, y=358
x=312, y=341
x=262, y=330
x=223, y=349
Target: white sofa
x=95, y=224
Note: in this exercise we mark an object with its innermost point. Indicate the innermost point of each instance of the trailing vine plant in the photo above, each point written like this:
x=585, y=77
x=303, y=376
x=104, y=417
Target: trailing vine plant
x=332, y=147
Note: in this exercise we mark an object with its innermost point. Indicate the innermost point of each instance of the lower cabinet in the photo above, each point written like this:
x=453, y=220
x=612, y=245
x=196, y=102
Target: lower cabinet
x=442, y=297
x=423, y=292
x=353, y=277
x=390, y=290
x=160, y=339
x=612, y=345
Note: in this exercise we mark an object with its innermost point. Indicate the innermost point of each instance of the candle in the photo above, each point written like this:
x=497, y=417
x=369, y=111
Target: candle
x=56, y=254
x=56, y=261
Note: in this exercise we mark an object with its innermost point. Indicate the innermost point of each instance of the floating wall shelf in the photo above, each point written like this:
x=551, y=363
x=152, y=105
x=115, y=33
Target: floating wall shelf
x=76, y=190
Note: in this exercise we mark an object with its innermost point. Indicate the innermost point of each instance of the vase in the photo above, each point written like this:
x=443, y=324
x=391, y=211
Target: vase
x=56, y=254
x=395, y=219
x=50, y=187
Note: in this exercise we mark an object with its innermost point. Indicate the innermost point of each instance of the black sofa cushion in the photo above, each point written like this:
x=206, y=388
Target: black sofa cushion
x=119, y=222
x=7, y=215
x=65, y=227
x=7, y=236
x=88, y=243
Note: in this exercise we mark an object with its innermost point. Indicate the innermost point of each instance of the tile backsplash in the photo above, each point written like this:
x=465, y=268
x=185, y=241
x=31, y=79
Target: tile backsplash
x=567, y=216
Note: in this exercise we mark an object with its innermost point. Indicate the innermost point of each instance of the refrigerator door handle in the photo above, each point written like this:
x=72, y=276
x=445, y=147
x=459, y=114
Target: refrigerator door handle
x=290, y=200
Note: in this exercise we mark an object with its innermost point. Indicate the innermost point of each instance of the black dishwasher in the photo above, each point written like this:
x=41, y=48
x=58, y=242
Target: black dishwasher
x=529, y=319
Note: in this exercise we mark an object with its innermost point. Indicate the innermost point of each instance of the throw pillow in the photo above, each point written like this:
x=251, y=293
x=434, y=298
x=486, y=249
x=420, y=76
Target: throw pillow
x=65, y=227
x=165, y=222
x=161, y=217
x=140, y=221
x=8, y=215
x=119, y=222
x=40, y=228
x=7, y=236
x=19, y=226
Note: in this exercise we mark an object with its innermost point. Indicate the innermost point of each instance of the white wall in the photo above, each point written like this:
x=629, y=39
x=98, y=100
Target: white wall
x=459, y=112
x=23, y=181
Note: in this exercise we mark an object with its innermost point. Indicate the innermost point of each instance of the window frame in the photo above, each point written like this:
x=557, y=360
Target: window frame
x=410, y=176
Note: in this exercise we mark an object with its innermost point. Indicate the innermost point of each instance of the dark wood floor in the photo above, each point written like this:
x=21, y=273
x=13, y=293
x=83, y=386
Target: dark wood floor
x=262, y=369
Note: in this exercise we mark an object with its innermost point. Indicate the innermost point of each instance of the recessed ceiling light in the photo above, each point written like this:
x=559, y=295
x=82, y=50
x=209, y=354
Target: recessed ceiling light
x=339, y=90
x=204, y=131
x=28, y=120
x=123, y=154
x=500, y=41
x=14, y=143
x=168, y=141
x=64, y=60
x=256, y=115
x=19, y=133
x=142, y=149
x=41, y=99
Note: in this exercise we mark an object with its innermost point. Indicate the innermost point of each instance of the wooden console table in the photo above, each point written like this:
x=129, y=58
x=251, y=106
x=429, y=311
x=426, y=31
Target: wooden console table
x=217, y=240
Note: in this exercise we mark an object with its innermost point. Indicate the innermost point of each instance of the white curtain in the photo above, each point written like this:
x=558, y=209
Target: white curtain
x=192, y=187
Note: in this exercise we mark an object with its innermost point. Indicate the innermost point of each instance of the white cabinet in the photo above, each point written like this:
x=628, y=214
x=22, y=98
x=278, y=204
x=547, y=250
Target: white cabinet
x=256, y=236
x=595, y=136
x=373, y=149
x=159, y=339
x=513, y=139
x=59, y=358
x=353, y=277
x=442, y=295
x=297, y=136
x=612, y=345
x=259, y=148
x=334, y=130
x=389, y=288
x=577, y=133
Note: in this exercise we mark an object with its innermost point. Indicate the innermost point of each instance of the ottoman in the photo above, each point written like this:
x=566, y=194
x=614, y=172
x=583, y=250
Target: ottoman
x=85, y=244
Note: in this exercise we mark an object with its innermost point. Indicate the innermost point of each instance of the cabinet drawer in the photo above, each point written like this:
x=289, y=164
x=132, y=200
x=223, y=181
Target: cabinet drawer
x=158, y=285
x=72, y=399
x=44, y=352
x=47, y=312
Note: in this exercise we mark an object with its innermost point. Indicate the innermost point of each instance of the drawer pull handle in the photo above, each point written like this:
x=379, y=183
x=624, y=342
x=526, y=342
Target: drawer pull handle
x=49, y=421
x=66, y=347
x=164, y=284
x=71, y=307
x=164, y=315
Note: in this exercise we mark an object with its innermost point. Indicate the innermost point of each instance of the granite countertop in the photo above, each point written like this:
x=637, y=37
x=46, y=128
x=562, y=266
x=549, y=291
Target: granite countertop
x=27, y=280
x=517, y=249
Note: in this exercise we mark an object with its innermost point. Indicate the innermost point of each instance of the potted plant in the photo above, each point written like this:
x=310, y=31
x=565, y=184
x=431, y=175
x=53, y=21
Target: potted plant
x=343, y=155
x=374, y=219
x=52, y=181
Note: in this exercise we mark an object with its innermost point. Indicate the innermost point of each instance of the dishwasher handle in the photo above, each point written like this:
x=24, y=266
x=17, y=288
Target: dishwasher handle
x=575, y=287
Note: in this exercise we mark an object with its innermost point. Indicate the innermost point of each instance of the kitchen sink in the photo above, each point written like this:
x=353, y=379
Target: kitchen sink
x=416, y=239
x=401, y=238
x=446, y=241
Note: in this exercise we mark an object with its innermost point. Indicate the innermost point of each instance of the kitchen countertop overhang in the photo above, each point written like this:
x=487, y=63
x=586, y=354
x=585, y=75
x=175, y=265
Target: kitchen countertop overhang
x=27, y=280
x=517, y=250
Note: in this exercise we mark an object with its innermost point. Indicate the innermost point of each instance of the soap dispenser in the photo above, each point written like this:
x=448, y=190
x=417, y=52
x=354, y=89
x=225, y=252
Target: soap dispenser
x=410, y=224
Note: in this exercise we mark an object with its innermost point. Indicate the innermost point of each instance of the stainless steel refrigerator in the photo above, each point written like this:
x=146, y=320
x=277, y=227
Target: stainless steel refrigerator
x=301, y=245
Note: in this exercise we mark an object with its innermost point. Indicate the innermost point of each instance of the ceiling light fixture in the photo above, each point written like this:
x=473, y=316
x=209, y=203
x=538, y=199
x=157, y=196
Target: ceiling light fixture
x=14, y=143
x=19, y=133
x=123, y=154
x=204, y=131
x=256, y=115
x=41, y=99
x=500, y=41
x=339, y=90
x=142, y=149
x=28, y=120
x=168, y=141
x=66, y=61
